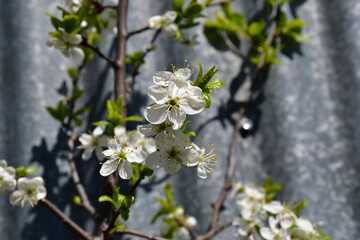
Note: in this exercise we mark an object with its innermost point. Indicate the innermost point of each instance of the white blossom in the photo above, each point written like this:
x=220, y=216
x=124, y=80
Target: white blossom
x=304, y=229
x=166, y=22
x=276, y=231
x=180, y=77
x=93, y=141
x=138, y=140
x=206, y=160
x=67, y=44
x=29, y=191
x=121, y=155
x=172, y=103
x=173, y=151
x=150, y=130
x=274, y=207
x=7, y=177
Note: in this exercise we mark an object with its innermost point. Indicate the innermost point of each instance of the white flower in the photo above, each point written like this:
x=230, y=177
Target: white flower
x=94, y=141
x=29, y=191
x=274, y=207
x=7, y=177
x=165, y=22
x=250, y=202
x=304, y=229
x=173, y=151
x=206, y=160
x=109, y=18
x=275, y=231
x=67, y=44
x=120, y=154
x=180, y=77
x=150, y=130
x=172, y=103
x=243, y=227
x=182, y=234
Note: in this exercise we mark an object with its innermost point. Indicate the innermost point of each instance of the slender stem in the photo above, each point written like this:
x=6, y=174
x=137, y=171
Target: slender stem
x=148, y=49
x=65, y=219
x=138, y=31
x=98, y=52
x=139, y=234
x=71, y=150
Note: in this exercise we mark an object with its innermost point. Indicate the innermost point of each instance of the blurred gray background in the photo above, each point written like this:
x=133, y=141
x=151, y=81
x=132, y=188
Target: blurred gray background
x=307, y=134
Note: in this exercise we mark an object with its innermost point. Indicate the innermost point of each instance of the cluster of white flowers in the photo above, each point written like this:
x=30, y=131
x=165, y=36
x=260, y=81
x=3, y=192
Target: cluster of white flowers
x=174, y=97
x=29, y=190
x=165, y=22
x=126, y=148
x=270, y=221
x=68, y=45
x=181, y=233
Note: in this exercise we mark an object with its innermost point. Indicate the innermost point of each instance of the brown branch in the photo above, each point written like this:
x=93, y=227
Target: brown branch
x=139, y=234
x=71, y=150
x=232, y=148
x=182, y=224
x=148, y=49
x=138, y=31
x=98, y=52
x=65, y=219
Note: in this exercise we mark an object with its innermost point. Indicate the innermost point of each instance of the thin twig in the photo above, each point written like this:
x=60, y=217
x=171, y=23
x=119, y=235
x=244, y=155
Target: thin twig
x=65, y=219
x=137, y=31
x=139, y=234
x=71, y=150
x=148, y=49
x=182, y=224
x=98, y=52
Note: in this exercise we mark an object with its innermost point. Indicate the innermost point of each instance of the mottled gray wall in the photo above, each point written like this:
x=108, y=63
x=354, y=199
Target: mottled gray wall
x=307, y=118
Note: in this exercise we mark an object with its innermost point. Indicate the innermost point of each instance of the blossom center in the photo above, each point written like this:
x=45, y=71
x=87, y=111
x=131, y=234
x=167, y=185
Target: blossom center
x=173, y=153
x=30, y=191
x=121, y=155
x=173, y=102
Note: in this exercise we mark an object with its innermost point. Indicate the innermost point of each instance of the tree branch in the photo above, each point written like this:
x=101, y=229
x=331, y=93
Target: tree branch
x=190, y=230
x=139, y=234
x=137, y=31
x=98, y=52
x=71, y=150
x=148, y=49
x=65, y=219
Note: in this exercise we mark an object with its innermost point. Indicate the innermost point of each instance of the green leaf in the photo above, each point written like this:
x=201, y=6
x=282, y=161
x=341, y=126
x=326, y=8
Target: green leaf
x=206, y=97
x=133, y=118
x=256, y=28
x=20, y=172
x=102, y=123
x=177, y=5
x=214, y=36
x=193, y=10
x=55, y=22
x=190, y=133
x=324, y=236
x=215, y=84
x=119, y=103
x=82, y=110
x=30, y=170
x=295, y=25
x=136, y=172
x=106, y=198
x=70, y=23
x=77, y=93
x=184, y=125
x=53, y=112
x=199, y=76
x=77, y=121
x=73, y=73
x=299, y=207
x=168, y=194
x=240, y=21
x=207, y=77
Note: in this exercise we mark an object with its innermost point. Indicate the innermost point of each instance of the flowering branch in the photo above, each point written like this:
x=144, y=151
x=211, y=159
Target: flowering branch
x=148, y=49
x=66, y=220
x=137, y=31
x=139, y=234
x=71, y=149
x=98, y=52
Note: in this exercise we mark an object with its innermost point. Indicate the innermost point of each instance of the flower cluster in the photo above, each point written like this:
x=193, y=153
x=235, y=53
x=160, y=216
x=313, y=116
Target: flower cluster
x=68, y=44
x=29, y=190
x=165, y=22
x=261, y=219
x=124, y=149
x=170, y=221
x=175, y=97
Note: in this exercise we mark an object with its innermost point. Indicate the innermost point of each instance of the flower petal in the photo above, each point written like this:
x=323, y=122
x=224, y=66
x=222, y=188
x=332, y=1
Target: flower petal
x=3, y=163
x=148, y=130
x=267, y=233
x=275, y=207
x=162, y=77
x=155, y=114
x=156, y=160
x=177, y=117
x=87, y=154
x=99, y=153
x=169, y=17
x=172, y=166
x=192, y=105
x=157, y=93
x=41, y=193
x=108, y=152
x=135, y=157
x=125, y=170
x=16, y=197
x=99, y=130
x=201, y=171
x=77, y=53
x=108, y=167
x=85, y=139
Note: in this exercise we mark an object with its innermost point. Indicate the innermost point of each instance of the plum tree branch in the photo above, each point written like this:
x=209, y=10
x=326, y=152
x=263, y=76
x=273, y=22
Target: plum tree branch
x=65, y=219
x=139, y=234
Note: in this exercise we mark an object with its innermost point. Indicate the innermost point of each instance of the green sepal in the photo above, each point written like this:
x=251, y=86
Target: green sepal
x=206, y=97
x=271, y=189
x=299, y=207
